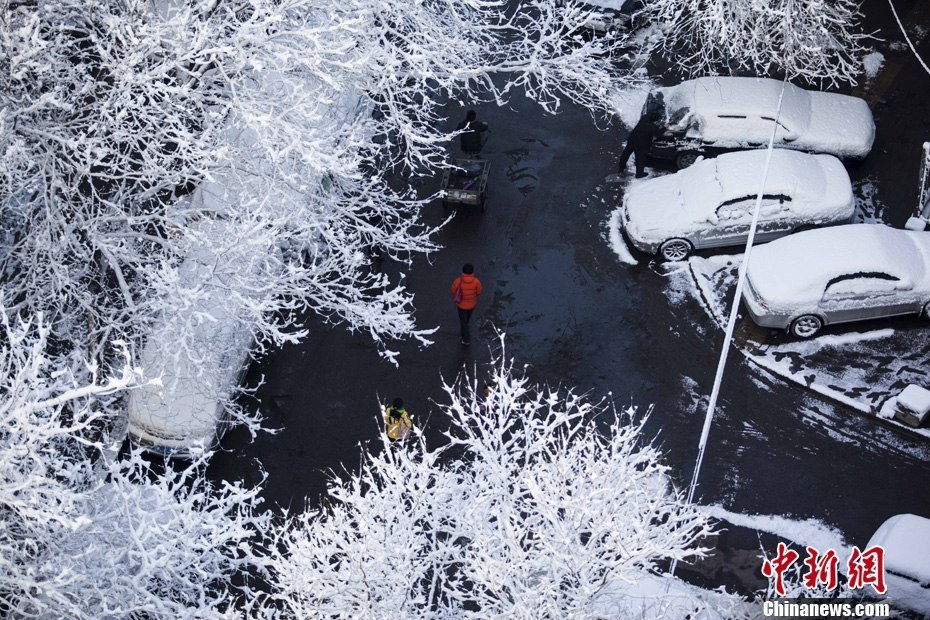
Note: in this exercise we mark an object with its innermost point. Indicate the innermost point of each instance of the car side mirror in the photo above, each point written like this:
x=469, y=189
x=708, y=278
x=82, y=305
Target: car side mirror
x=789, y=137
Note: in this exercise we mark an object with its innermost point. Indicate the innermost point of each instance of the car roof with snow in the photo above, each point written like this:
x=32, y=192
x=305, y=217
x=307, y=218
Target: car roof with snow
x=791, y=173
x=742, y=96
x=185, y=407
x=906, y=539
x=799, y=267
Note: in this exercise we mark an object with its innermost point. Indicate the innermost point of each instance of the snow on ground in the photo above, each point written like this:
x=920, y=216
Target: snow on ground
x=617, y=244
x=873, y=63
x=868, y=208
x=803, y=532
x=859, y=369
x=659, y=596
x=808, y=346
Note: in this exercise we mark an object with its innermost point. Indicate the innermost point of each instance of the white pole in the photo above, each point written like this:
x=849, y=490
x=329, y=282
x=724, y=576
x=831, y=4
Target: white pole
x=731, y=322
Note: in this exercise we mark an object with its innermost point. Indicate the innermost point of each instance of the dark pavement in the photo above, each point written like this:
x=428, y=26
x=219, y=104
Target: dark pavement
x=577, y=316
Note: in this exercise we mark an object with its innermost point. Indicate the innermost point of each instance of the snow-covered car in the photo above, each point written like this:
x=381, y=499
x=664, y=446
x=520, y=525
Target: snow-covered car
x=606, y=15
x=837, y=275
x=711, y=203
x=187, y=413
x=906, y=541
x=709, y=115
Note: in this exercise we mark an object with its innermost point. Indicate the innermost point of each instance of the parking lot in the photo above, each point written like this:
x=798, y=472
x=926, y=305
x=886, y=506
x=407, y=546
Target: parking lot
x=643, y=333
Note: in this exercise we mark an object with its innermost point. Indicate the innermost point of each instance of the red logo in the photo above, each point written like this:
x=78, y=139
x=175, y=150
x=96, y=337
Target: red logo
x=865, y=568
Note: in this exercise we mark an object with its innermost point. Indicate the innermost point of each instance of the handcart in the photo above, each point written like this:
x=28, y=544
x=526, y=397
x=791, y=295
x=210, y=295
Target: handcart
x=466, y=182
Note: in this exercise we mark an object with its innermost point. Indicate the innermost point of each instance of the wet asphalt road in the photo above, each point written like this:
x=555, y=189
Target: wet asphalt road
x=577, y=316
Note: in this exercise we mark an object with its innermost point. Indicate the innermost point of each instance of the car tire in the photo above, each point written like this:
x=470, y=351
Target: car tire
x=805, y=326
x=685, y=159
x=675, y=250
x=925, y=313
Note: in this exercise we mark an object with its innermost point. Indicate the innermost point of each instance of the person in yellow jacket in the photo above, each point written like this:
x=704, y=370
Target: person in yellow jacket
x=397, y=421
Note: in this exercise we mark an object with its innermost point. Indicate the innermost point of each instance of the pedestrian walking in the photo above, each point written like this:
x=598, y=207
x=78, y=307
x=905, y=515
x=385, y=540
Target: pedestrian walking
x=639, y=142
x=465, y=290
x=471, y=140
x=397, y=421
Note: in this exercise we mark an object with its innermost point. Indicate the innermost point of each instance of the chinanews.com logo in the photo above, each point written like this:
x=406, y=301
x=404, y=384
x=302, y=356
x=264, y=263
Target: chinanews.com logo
x=864, y=569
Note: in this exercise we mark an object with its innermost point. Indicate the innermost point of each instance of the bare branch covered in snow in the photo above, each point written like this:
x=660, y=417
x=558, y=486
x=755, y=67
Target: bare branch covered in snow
x=813, y=40
x=530, y=511
x=286, y=117
x=83, y=538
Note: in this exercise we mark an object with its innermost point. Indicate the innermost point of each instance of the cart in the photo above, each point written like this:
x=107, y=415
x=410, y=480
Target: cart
x=466, y=182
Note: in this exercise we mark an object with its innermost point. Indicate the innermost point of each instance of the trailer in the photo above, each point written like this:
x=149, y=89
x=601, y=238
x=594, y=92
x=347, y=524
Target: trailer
x=465, y=182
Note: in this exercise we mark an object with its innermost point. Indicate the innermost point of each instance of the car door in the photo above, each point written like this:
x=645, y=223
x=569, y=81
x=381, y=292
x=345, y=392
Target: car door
x=869, y=295
x=776, y=217
x=730, y=225
x=734, y=217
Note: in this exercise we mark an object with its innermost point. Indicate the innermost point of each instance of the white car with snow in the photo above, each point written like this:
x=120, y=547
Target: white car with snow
x=710, y=115
x=711, y=203
x=837, y=275
x=187, y=413
x=906, y=541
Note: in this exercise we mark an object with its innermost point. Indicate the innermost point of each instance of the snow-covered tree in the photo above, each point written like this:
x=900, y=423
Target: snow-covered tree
x=290, y=112
x=542, y=504
x=83, y=536
x=813, y=40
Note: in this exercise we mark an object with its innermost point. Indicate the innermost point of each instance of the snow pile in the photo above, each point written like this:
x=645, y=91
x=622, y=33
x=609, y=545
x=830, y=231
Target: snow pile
x=660, y=596
x=873, y=63
x=804, y=532
x=840, y=340
x=915, y=398
x=617, y=244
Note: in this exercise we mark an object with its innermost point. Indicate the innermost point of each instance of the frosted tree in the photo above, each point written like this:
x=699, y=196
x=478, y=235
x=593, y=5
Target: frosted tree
x=542, y=504
x=289, y=113
x=813, y=40
x=82, y=536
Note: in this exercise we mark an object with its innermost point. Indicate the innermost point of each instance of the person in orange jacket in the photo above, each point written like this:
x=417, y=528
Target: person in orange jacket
x=465, y=290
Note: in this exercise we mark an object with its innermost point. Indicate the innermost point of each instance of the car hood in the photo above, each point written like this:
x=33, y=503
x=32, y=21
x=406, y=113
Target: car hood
x=840, y=125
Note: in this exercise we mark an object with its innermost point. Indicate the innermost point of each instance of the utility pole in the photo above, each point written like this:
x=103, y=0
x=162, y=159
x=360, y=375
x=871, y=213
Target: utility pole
x=919, y=220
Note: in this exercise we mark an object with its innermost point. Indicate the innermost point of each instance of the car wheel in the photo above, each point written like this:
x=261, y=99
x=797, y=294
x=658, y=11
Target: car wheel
x=685, y=159
x=675, y=250
x=805, y=326
x=925, y=313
